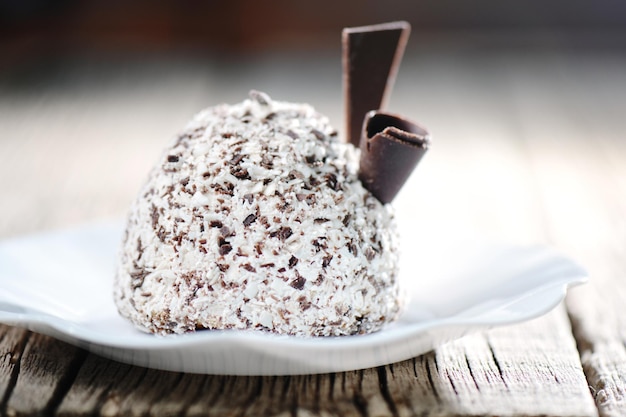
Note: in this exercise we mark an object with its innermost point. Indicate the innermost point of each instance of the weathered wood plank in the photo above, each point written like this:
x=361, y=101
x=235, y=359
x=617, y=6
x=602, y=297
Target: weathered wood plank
x=482, y=374
x=141, y=392
x=46, y=371
x=12, y=343
x=486, y=174
x=98, y=382
x=533, y=368
x=583, y=186
x=489, y=374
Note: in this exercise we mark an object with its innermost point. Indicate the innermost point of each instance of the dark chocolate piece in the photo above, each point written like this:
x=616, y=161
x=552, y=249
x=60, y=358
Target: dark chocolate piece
x=391, y=147
x=371, y=56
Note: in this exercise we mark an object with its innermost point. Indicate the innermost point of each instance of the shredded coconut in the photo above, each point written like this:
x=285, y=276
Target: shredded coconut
x=254, y=219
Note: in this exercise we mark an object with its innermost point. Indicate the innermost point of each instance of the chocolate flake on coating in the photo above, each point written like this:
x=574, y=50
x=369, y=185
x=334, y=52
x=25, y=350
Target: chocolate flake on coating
x=251, y=218
x=224, y=246
x=319, y=135
x=155, y=217
x=236, y=159
x=299, y=282
x=137, y=278
x=240, y=173
x=283, y=233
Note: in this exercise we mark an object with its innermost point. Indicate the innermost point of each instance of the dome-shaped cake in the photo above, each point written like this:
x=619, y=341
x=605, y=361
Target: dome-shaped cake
x=254, y=218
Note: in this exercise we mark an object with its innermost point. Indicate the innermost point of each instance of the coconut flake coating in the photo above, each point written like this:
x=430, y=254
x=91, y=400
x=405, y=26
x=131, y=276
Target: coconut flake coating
x=255, y=219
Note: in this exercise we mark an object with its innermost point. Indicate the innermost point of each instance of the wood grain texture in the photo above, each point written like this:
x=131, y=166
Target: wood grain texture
x=584, y=195
x=12, y=343
x=518, y=155
x=495, y=374
x=44, y=373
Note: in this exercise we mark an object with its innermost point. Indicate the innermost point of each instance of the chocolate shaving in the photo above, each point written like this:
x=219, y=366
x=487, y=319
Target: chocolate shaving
x=298, y=282
x=371, y=56
x=283, y=233
x=225, y=249
x=251, y=218
x=236, y=159
x=391, y=147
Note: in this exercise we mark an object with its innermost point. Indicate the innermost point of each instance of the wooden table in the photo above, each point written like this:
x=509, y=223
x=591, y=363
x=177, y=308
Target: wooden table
x=529, y=148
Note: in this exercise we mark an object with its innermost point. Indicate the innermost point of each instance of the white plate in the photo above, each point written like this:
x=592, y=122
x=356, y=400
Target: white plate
x=59, y=284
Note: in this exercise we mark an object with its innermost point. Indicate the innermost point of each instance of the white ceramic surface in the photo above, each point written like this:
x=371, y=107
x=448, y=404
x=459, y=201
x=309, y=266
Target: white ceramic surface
x=59, y=284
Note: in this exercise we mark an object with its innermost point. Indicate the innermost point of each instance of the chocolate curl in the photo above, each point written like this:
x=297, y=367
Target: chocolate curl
x=391, y=147
x=371, y=57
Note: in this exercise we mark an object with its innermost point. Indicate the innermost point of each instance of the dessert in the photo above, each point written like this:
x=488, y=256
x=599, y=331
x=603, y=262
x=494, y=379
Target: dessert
x=257, y=217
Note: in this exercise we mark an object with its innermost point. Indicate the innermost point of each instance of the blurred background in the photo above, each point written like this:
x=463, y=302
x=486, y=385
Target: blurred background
x=91, y=91
x=242, y=26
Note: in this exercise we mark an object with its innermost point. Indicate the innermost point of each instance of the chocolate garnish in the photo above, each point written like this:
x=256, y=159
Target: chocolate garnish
x=371, y=56
x=391, y=147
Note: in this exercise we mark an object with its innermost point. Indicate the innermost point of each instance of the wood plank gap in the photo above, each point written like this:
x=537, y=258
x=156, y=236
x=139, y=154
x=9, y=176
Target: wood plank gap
x=451, y=380
x=317, y=395
x=293, y=406
x=497, y=363
x=287, y=382
x=383, y=383
x=430, y=375
x=166, y=390
x=66, y=381
x=104, y=396
x=471, y=372
x=109, y=401
x=331, y=385
x=254, y=395
x=359, y=401
x=360, y=404
x=273, y=381
x=220, y=387
x=203, y=383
